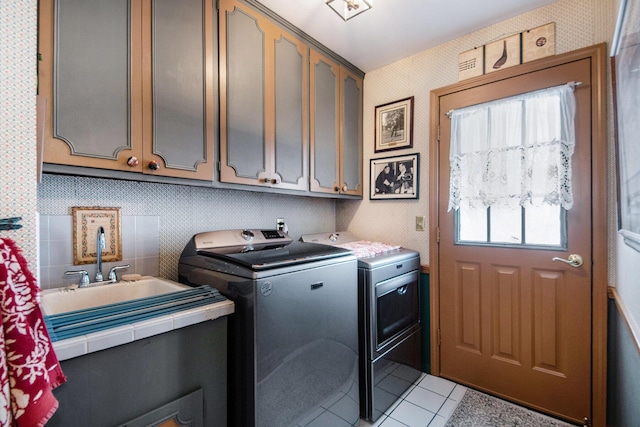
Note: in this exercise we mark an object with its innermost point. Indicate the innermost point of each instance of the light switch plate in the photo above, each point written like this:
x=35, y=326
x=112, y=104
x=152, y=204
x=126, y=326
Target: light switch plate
x=420, y=220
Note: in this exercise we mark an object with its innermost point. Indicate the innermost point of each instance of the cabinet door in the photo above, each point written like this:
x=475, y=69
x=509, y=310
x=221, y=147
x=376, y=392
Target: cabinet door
x=263, y=101
x=336, y=128
x=325, y=124
x=290, y=105
x=351, y=138
x=92, y=117
x=243, y=151
x=178, y=90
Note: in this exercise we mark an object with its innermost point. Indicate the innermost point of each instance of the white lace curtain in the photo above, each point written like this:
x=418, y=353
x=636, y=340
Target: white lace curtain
x=514, y=151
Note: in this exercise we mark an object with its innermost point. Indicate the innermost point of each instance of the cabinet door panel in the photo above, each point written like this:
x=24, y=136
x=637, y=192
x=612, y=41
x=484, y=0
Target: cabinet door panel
x=290, y=113
x=245, y=91
x=324, y=124
x=178, y=76
x=351, y=135
x=86, y=78
x=129, y=78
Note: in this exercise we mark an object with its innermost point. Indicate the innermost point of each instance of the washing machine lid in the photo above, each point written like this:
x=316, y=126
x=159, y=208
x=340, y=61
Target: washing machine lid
x=257, y=249
x=279, y=256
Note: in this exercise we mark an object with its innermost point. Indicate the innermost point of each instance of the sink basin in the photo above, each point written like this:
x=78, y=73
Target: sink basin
x=63, y=300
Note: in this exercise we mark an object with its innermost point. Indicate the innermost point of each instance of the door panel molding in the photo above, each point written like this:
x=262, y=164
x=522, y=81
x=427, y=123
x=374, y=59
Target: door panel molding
x=468, y=315
x=546, y=286
x=598, y=221
x=506, y=314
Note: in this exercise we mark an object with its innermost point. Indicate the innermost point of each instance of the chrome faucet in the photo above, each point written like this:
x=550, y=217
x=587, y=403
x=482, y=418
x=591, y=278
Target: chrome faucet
x=100, y=245
x=112, y=278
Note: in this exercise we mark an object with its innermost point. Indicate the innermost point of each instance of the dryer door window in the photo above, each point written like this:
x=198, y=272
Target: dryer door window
x=397, y=306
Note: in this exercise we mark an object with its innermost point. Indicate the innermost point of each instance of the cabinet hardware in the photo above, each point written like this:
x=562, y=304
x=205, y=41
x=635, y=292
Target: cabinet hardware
x=133, y=161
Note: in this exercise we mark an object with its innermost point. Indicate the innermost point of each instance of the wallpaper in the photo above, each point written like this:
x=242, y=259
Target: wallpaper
x=18, y=122
x=579, y=23
x=186, y=210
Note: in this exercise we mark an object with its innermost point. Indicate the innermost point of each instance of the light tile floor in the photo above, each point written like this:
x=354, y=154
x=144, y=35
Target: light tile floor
x=430, y=401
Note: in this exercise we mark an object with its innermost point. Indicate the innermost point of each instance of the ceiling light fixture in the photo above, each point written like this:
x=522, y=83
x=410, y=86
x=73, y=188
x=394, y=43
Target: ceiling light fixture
x=347, y=9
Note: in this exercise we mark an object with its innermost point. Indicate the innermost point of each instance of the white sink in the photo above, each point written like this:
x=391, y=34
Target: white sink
x=62, y=300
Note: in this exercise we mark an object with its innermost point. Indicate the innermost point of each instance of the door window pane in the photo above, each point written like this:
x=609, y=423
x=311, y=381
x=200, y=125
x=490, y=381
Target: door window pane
x=539, y=226
x=505, y=225
x=472, y=224
x=543, y=225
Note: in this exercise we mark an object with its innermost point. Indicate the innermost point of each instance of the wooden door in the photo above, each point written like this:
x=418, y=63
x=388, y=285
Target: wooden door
x=512, y=321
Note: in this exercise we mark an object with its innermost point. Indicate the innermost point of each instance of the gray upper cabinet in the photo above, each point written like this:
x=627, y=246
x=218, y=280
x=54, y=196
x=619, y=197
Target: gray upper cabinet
x=178, y=98
x=129, y=79
x=263, y=101
x=147, y=86
x=335, y=127
x=351, y=138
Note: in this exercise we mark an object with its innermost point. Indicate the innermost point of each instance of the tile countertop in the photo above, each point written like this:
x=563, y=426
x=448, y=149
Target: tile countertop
x=85, y=344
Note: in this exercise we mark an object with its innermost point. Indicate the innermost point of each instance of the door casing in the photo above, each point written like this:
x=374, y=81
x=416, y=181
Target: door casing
x=597, y=55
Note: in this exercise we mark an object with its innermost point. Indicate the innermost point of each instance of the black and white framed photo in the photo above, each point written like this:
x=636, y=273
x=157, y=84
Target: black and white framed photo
x=395, y=177
x=394, y=125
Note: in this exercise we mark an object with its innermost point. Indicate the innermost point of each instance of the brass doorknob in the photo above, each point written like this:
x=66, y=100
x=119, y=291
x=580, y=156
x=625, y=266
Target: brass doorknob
x=574, y=260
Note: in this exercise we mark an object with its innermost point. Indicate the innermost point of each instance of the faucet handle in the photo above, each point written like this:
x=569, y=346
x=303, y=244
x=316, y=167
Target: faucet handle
x=112, y=273
x=84, y=280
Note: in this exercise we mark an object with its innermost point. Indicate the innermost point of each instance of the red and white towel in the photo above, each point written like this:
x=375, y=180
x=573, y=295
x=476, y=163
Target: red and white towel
x=29, y=368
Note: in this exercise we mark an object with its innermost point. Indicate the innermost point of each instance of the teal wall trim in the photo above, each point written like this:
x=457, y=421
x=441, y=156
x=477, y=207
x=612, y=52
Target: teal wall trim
x=623, y=374
x=426, y=322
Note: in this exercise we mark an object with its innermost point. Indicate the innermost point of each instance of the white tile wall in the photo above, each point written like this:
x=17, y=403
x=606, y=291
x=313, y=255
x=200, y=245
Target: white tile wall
x=140, y=249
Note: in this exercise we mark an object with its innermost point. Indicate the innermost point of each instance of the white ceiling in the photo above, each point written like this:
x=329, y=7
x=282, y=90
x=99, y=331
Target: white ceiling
x=395, y=29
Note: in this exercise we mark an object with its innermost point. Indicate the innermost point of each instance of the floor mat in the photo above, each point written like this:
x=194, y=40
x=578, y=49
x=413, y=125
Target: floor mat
x=480, y=409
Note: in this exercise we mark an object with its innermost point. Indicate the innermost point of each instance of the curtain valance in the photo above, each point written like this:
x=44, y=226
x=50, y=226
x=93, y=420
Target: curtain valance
x=514, y=151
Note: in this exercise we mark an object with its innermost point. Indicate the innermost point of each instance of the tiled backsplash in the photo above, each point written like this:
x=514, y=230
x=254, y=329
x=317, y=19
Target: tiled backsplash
x=182, y=211
x=140, y=249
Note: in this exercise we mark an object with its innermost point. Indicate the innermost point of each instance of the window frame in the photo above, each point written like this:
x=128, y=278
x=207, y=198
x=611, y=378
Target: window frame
x=562, y=247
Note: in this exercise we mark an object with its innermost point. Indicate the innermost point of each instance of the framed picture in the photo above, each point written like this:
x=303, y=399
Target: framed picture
x=626, y=88
x=86, y=223
x=502, y=54
x=538, y=42
x=395, y=177
x=471, y=63
x=394, y=125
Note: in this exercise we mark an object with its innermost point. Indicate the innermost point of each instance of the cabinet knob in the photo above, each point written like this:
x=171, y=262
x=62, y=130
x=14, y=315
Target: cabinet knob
x=133, y=161
x=271, y=181
x=153, y=165
x=336, y=189
x=345, y=188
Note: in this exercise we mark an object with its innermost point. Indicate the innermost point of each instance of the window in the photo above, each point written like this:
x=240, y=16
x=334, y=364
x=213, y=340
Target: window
x=510, y=160
x=541, y=226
